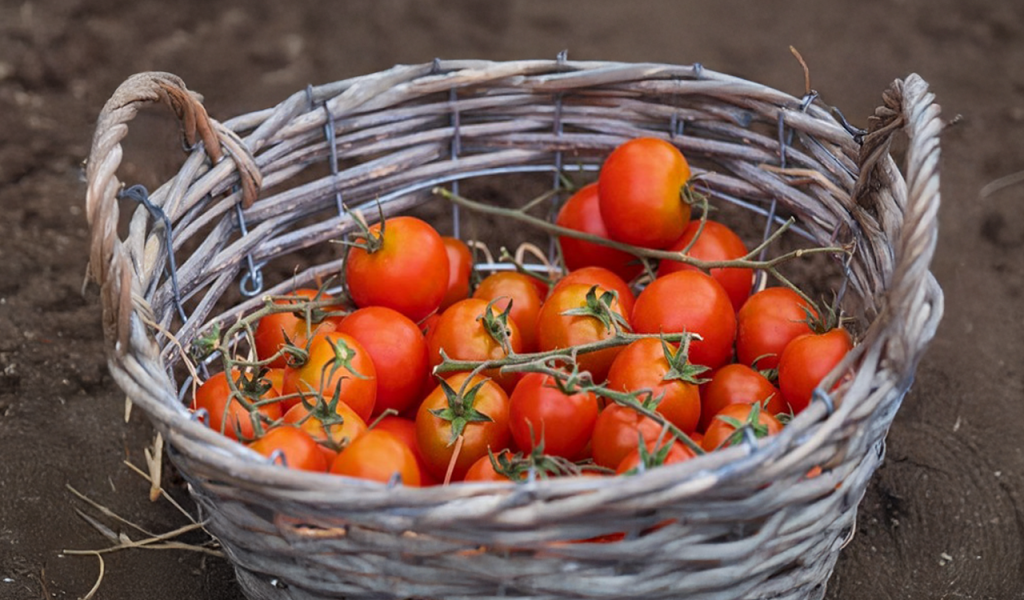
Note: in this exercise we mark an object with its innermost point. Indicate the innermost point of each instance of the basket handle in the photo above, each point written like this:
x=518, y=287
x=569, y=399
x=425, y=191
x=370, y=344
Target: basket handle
x=915, y=300
x=109, y=264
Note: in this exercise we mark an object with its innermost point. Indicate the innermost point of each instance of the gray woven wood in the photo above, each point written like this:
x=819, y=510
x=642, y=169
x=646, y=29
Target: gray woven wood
x=740, y=523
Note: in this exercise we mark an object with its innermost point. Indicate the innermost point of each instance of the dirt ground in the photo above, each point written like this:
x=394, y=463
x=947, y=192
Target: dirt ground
x=943, y=516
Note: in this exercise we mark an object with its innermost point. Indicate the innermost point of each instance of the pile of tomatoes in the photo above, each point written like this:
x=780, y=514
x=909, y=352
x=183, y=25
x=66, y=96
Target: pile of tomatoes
x=422, y=375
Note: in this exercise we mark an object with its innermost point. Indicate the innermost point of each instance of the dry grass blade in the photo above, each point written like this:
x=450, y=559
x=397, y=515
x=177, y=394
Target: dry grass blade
x=154, y=460
x=99, y=579
x=166, y=496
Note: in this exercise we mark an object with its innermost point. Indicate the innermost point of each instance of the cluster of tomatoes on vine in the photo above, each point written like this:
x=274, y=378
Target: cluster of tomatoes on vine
x=650, y=349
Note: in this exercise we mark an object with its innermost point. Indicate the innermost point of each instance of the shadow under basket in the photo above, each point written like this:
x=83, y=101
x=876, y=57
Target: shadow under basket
x=266, y=191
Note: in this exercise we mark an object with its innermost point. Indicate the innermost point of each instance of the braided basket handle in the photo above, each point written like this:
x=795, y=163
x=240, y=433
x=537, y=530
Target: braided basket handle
x=109, y=264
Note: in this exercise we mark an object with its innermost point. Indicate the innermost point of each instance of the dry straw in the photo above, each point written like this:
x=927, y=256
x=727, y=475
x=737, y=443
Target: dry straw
x=740, y=523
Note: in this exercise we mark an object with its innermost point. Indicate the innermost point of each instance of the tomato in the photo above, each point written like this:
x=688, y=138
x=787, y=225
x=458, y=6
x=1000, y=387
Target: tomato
x=405, y=430
x=556, y=330
x=692, y=302
x=511, y=286
x=666, y=453
x=332, y=425
x=233, y=419
x=338, y=364
x=643, y=365
x=483, y=469
x=300, y=451
x=723, y=431
x=768, y=321
x=715, y=242
x=274, y=330
x=640, y=193
x=806, y=361
x=460, y=266
x=380, y=456
x=604, y=278
x=407, y=269
x=478, y=414
x=618, y=432
x=463, y=333
x=398, y=351
x=738, y=384
x=582, y=213
x=540, y=411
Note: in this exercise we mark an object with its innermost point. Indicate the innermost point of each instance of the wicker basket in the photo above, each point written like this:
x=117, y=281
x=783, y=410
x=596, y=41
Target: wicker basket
x=741, y=523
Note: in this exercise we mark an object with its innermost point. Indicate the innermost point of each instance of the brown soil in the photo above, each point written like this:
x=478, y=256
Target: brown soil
x=943, y=516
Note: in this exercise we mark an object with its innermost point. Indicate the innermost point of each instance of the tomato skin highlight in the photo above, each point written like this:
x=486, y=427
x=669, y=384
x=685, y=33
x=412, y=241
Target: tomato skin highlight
x=460, y=266
x=692, y=302
x=737, y=383
x=642, y=365
x=408, y=273
x=378, y=455
x=805, y=362
x=617, y=433
x=640, y=193
x=767, y=322
x=405, y=430
x=715, y=242
x=582, y=212
x=506, y=287
x=539, y=411
x=397, y=350
x=300, y=451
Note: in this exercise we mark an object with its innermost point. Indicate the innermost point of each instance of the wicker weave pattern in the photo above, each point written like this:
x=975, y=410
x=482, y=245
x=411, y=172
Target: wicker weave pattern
x=741, y=523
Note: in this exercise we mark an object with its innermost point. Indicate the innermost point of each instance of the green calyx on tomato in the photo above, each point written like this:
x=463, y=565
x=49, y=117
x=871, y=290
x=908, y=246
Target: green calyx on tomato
x=206, y=344
x=680, y=367
x=326, y=412
x=366, y=238
x=343, y=355
x=648, y=459
x=496, y=325
x=600, y=308
x=460, y=410
x=753, y=422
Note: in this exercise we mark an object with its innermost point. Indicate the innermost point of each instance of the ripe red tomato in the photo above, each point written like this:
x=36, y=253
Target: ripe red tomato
x=541, y=412
x=618, y=432
x=273, y=330
x=582, y=213
x=232, y=419
x=479, y=416
x=668, y=452
x=337, y=359
x=715, y=242
x=768, y=321
x=692, y=302
x=460, y=265
x=408, y=272
x=642, y=365
x=722, y=430
x=806, y=361
x=300, y=451
x=331, y=427
x=556, y=330
x=738, y=384
x=405, y=430
x=483, y=469
x=519, y=289
x=640, y=193
x=462, y=332
x=604, y=278
x=398, y=352
x=378, y=455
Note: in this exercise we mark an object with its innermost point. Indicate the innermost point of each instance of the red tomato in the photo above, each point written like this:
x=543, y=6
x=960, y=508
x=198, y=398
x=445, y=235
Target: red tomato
x=666, y=453
x=408, y=272
x=273, y=330
x=722, y=431
x=582, y=213
x=806, y=361
x=693, y=302
x=540, y=411
x=378, y=455
x=768, y=321
x=337, y=363
x=483, y=469
x=233, y=419
x=715, y=242
x=405, y=430
x=460, y=265
x=479, y=415
x=556, y=330
x=604, y=278
x=397, y=350
x=331, y=427
x=618, y=432
x=643, y=365
x=640, y=193
x=738, y=384
x=462, y=332
x=519, y=289
x=300, y=451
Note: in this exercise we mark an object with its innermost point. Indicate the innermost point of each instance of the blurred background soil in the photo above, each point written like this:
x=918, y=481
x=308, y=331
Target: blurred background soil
x=942, y=517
